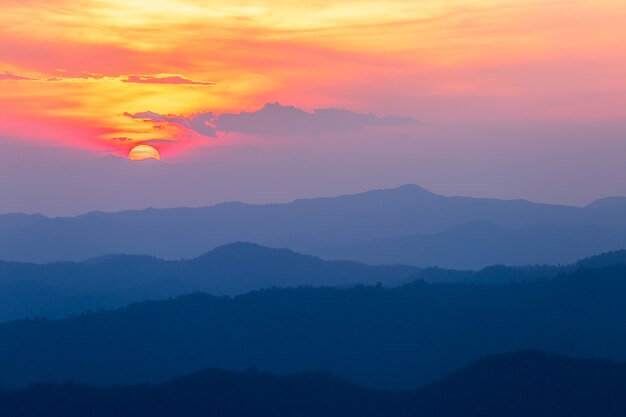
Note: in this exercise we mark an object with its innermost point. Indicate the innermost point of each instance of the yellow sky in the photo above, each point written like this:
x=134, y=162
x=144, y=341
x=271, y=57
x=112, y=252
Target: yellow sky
x=380, y=56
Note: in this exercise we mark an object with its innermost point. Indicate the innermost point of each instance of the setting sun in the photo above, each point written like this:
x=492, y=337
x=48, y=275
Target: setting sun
x=142, y=152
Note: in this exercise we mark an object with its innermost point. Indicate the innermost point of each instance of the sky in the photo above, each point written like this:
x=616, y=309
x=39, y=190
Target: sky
x=267, y=101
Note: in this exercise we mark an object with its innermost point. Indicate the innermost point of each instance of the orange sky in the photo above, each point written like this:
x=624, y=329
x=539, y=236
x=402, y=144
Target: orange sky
x=70, y=70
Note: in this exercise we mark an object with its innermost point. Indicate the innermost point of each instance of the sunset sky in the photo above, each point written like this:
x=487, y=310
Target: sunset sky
x=506, y=98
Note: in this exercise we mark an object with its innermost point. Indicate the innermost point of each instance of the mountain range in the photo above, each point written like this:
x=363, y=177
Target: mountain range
x=521, y=384
x=390, y=338
x=408, y=225
x=62, y=289
x=368, y=304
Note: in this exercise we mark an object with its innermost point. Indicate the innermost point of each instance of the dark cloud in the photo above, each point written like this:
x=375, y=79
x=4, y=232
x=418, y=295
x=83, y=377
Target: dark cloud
x=204, y=124
x=275, y=119
x=200, y=123
x=163, y=79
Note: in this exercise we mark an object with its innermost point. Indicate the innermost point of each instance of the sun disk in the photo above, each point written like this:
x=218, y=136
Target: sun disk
x=142, y=152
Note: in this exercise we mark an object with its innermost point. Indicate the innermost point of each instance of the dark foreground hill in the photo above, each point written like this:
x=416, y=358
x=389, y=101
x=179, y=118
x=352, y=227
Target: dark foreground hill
x=388, y=338
x=509, y=385
x=527, y=383
x=404, y=225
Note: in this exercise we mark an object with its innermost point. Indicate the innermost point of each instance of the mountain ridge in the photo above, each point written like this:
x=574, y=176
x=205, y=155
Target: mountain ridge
x=505, y=385
x=309, y=226
x=479, y=244
x=339, y=330
x=62, y=289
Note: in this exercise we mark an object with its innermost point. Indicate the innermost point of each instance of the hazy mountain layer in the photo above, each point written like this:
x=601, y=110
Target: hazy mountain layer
x=479, y=244
x=322, y=224
x=59, y=289
x=389, y=338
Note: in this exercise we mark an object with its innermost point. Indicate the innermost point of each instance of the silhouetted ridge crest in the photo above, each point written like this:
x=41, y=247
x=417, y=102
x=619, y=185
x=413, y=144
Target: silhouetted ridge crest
x=245, y=249
x=520, y=384
x=605, y=259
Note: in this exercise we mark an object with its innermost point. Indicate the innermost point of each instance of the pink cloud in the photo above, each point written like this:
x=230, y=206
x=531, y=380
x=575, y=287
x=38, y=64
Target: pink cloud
x=7, y=76
x=163, y=79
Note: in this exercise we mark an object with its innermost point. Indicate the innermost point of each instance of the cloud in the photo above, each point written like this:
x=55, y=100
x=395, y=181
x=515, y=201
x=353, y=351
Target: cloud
x=163, y=79
x=7, y=76
x=201, y=123
x=84, y=75
x=92, y=75
x=87, y=75
x=159, y=141
x=151, y=116
x=275, y=119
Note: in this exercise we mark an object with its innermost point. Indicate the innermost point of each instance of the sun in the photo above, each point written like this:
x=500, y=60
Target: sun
x=141, y=152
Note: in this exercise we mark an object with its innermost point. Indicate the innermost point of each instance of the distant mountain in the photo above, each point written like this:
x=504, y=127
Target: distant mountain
x=605, y=259
x=507, y=385
x=388, y=338
x=60, y=289
x=479, y=244
x=309, y=226
x=502, y=274
x=17, y=220
x=608, y=203
x=496, y=274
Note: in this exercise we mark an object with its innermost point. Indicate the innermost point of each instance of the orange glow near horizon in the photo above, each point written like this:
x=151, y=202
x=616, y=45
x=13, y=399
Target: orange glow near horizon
x=71, y=70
